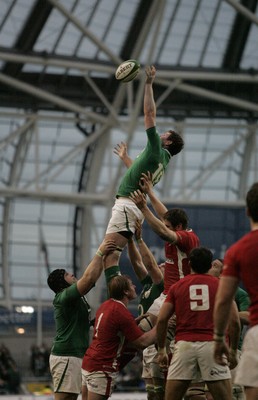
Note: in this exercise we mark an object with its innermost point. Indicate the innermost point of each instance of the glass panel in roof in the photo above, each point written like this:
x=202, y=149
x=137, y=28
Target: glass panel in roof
x=250, y=55
x=219, y=36
x=13, y=15
x=111, y=24
x=50, y=32
x=69, y=40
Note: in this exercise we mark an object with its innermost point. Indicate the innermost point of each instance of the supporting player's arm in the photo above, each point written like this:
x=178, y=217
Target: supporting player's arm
x=146, y=339
x=223, y=304
x=234, y=330
x=95, y=268
x=156, y=224
x=165, y=314
x=147, y=187
x=147, y=257
x=136, y=260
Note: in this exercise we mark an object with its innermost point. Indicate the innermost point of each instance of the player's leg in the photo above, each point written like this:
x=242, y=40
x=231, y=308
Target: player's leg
x=84, y=392
x=120, y=228
x=159, y=377
x=149, y=387
x=159, y=388
x=182, y=370
x=220, y=390
x=217, y=377
x=251, y=393
x=112, y=259
x=65, y=396
x=147, y=356
x=175, y=389
x=100, y=385
x=246, y=374
x=66, y=376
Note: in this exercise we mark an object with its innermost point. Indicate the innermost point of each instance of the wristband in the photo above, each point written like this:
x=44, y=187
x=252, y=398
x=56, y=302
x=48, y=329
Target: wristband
x=99, y=253
x=139, y=240
x=219, y=334
x=218, y=338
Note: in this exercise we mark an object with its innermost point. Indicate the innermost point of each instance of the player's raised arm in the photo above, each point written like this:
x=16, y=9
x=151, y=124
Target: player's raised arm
x=95, y=268
x=149, y=103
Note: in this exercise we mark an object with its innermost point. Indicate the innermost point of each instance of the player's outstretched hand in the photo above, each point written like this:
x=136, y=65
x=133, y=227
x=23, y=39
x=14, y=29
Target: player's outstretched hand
x=139, y=199
x=233, y=360
x=146, y=182
x=150, y=74
x=162, y=358
x=121, y=150
x=107, y=246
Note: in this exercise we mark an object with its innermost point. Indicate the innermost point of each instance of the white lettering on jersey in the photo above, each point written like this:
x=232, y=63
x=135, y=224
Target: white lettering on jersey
x=199, y=297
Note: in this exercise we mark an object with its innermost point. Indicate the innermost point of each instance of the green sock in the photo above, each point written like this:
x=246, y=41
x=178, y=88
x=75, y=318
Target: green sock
x=111, y=273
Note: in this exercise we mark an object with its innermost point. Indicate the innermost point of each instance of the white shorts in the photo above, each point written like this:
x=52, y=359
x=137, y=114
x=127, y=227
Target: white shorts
x=66, y=374
x=99, y=382
x=247, y=369
x=190, y=359
x=151, y=367
x=124, y=215
x=157, y=304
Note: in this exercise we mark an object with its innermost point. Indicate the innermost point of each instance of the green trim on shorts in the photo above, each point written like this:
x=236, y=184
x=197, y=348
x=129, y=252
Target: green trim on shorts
x=62, y=377
x=127, y=224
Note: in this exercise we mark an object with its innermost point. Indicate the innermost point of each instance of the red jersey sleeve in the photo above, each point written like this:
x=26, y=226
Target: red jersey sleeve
x=128, y=326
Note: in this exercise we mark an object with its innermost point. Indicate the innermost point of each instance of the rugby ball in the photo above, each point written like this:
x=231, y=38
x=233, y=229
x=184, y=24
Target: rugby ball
x=127, y=71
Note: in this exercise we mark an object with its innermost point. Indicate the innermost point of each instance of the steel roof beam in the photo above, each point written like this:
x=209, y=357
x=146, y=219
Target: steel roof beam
x=30, y=33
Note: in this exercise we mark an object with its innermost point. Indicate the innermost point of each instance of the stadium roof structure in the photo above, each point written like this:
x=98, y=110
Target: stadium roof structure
x=62, y=111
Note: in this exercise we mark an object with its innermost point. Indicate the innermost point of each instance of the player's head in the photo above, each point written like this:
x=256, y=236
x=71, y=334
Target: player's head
x=172, y=141
x=56, y=280
x=216, y=267
x=200, y=260
x=176, y=219
x=121, y=286
x=252, y=202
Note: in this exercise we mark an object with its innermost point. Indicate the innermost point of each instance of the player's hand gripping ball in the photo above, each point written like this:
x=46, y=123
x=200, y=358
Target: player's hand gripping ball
x=127, y=71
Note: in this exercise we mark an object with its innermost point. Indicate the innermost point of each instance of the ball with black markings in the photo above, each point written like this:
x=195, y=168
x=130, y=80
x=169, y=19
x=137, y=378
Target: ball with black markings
x=127, y=71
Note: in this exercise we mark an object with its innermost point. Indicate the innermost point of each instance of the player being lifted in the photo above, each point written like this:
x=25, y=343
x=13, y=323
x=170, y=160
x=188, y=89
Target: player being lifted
x=154, y=158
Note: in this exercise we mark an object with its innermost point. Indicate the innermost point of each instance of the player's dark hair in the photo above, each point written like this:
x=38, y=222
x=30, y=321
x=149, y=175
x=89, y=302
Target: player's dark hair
x=118, y=285
x=252, y=202
x=177, y=143
x=200, y=260
x=56, y=280
x=176, y=216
